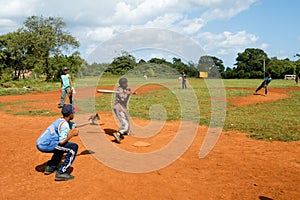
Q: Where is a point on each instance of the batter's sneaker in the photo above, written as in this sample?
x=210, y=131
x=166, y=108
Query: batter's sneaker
x=117, y=136
x=49, y=170
x=63, y=177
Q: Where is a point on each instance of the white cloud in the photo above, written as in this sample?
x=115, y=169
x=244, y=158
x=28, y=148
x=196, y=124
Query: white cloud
x=193, y=26
x=226, y=9
x=227, y=42
x=166, y=20
x=101, y=33
x=93, y=22
x=7, y=23
x=16, y=8
x=264, y=46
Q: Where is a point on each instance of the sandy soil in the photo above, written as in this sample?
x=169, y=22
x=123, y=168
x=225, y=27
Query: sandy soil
x=237, y=168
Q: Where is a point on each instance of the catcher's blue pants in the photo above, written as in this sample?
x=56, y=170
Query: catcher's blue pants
x=71, y=149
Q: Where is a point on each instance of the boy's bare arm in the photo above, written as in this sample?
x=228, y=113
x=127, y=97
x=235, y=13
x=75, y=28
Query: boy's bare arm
x=73, y=133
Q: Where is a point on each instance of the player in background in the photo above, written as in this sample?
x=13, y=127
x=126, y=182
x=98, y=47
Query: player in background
x=265, y=84
x=183, y=79
x=297, y=79
x=66, y=88
x=55, y=139
x=120, y=108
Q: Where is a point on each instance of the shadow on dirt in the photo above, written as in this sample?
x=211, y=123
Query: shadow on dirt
x=264, y=198
x=41, y=167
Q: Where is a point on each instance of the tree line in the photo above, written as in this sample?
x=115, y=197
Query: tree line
x=42, y=47
x=127, y=64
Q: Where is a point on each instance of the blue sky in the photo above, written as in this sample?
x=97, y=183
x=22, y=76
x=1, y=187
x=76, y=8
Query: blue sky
x=222, y=27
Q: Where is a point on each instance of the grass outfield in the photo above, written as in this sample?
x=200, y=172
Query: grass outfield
x=268, y=121
x=274, y=121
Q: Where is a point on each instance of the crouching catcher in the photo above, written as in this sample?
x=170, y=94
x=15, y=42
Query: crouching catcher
x=55, y=139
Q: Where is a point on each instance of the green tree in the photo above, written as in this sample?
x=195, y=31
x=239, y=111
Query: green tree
x=14, y=52
x=211, y=64
x=120, y=65
x=278, y=68
x=251, y=59
x=48, y=37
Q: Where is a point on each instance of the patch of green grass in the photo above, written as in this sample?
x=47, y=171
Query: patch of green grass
x=268, y=121
x=26, y=86
x=16, y=103
x=34, y=113
x=20, y=105
x=254, y=83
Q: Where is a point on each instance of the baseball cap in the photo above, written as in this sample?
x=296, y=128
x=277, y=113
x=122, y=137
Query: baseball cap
x=68, y=109
x=65, y=68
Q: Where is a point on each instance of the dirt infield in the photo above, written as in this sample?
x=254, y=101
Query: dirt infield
x=237, y=168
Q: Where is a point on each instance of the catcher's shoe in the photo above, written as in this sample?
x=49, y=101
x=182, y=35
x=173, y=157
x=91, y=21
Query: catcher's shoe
x=117, y=136
x=63, y=177
x=49, y=170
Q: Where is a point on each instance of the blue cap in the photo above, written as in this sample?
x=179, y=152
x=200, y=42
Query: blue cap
x=67, y=110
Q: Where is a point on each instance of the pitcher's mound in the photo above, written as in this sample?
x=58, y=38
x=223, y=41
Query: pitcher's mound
x=141, y=144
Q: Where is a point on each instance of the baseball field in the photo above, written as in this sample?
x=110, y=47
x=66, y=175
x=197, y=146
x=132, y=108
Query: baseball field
x=256, y=157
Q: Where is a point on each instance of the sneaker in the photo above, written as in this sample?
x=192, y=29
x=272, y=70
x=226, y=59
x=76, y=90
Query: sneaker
x=63, y=177
x=117, y=137
x=59, y=106
x=49, y=170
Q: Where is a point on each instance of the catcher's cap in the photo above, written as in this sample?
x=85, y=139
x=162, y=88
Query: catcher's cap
x=68, y=109
x=65, y=69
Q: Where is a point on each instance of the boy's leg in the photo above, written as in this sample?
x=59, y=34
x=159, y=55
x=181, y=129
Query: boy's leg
x=125, y=127
x=266, y=90
x=55, y=160
x=122, y=116
x=70, y=95
x=259, y=88
x=63, y=97
x=71, y=149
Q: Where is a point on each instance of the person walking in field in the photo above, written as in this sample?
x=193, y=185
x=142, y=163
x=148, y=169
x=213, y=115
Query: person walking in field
x=265, y=84
x=66, y=88
x=55, y=139
x=120, y=109
x=183, y=79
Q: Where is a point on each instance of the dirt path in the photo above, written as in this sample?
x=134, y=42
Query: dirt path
x=237, y=168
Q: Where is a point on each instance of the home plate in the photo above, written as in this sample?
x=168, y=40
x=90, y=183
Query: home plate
x=141, y=144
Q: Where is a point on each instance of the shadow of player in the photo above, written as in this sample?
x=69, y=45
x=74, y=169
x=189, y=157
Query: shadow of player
x=264, y=198
x=110, y=132
x=41, y=167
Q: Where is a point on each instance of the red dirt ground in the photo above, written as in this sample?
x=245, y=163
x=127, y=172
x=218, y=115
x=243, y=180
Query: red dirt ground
x=237, y=168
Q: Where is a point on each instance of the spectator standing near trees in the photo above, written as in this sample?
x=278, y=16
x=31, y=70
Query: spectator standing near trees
x=66, y=88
